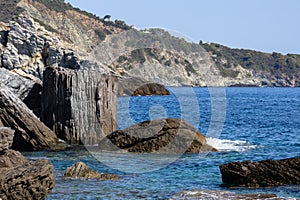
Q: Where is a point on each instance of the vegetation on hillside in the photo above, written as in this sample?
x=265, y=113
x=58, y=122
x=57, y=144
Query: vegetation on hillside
x=270, y=63
x=62, y=6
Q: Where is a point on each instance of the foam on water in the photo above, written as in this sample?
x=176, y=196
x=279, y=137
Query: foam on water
x=230, y=145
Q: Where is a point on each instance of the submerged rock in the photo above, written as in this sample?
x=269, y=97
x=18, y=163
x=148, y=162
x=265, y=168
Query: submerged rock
x=161, y=136
x=81, y=170
x=265, y=173
x=30, y=133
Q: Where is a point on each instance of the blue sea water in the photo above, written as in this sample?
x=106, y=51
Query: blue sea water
x=243, y=123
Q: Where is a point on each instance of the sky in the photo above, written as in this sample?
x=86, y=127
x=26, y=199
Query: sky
x=263, y=25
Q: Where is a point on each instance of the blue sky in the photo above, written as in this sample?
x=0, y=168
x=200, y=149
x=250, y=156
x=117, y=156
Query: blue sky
x=264, y=25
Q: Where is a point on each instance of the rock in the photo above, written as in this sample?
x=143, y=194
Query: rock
x=11, y=158
x=151, y=89
x=265, y=173
x=80, y=106
x=29, y=180
x=219, y=194
x=30, y=133
x=81, y=170
x=163, y=136
x=6, y=138
x=135, y=86
x=26, y=88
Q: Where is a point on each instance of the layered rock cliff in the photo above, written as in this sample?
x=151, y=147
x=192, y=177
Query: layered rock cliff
x=79, y=105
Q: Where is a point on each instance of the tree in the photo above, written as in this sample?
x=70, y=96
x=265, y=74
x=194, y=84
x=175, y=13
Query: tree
x=107, y=17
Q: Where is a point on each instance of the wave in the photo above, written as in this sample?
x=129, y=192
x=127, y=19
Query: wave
x=230, y=145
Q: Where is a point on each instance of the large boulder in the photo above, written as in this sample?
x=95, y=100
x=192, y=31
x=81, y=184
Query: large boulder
x=161, y=136
x=30, y=133
x=151, y=89
x=136, y=86
x=265, y=173
x=28, y=180
x=81, y=170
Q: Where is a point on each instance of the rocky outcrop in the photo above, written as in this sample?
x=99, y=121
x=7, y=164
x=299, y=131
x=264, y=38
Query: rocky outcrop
x=151, y=89
x=20, y=178
x=30, y=133
x=29, y=180
x=136, y=86
x=6, y=138
x=161, y=136
x=265, y=173
x=80, y=106
x=81, y=170
x=25, y=87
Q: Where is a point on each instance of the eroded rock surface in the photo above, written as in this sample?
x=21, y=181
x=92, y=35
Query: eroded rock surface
x=265, y=173
x=81, y=170
x=161, y=136
x=30, y=133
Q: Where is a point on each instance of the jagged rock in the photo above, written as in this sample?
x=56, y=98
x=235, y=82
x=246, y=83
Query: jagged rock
x=219, y=194
x=6, y=138
x=30, y=133
x=79, y=105
x=265, y=173
x=29, y=180
x=81, y=170
x=163, y=136
x=26, y=88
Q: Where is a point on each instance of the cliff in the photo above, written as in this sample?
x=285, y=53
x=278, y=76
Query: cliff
x=79, y=105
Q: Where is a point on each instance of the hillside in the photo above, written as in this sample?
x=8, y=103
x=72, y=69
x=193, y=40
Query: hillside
x=155, y=55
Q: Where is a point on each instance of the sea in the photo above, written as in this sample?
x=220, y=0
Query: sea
x=242, y=123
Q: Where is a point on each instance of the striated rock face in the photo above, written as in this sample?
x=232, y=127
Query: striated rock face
x=25, y=87
x=265, y=173
x=81, y=170
x=6, y=138
x=163, y=136
x=30, y=133
x=80, y=106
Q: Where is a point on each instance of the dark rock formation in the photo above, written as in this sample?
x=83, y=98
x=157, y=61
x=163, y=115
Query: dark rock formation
x=28, y=89
x=163, y=136
x=30, y=133
x=265, y=173
x=20, y=178
x=80, y=106
x=29, y=180
x=151, y=89
x=6, y=138
x=81, y=170
x=219, y=194
x=135, y=86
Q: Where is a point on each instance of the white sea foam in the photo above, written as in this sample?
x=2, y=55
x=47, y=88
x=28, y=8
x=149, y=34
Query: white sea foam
x=230, y=145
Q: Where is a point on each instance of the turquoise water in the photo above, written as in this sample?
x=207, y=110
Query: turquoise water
x=259, y=123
